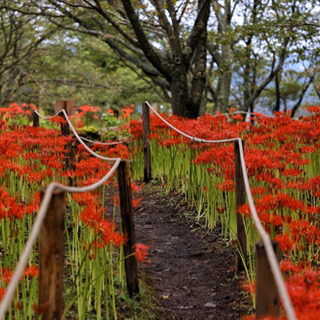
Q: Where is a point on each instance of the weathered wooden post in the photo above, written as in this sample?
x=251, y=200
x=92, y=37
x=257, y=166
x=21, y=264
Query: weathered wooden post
x=35, y=120
x=240, y=200
x=69, y=107
x=267, y=296
x=126, y=208
x=52, y=258
x=146, y=142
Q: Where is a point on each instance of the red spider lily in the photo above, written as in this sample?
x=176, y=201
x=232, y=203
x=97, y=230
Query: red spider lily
x=83, y=198
x=127, y=111
x=79, y=123
x=227, y=185
x=250, y=288
x=87, y=109
x=32, y=271
x=302, y=229
x=119, y=151
x=288, y=266
x=314, y=109
x=92, y=217
x=285, y=243
x=258, y=190
x=6, y=275
x=136, y=202
x=58, y=120
x=141, y=252
x=135, y=128
x=108, y=235
x=9, y=208
x=135, y=188
x=304, y=290
x=277, y=221
x=14, y=109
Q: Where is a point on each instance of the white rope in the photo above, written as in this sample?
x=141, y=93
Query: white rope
x=35, y=230
x=186, y=135
x=101, y=143
x=76, y=134
x=273, y=261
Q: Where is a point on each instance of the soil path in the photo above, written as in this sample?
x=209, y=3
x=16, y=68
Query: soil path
x=192, y=270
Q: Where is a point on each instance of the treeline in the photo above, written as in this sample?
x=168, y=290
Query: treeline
x=195, y=56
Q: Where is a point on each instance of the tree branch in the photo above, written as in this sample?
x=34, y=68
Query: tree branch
x=145, y=45
x=199, y=27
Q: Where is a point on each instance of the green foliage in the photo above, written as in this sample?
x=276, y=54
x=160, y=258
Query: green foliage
x=93, y=63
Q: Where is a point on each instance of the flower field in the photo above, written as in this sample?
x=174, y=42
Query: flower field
x=31, y=158
x=283, y=164
x=282, y=157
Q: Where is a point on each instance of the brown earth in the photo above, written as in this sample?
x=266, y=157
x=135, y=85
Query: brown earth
x=192, y=270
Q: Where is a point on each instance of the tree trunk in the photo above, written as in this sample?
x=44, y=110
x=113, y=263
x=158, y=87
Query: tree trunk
x=223, y=59
x=199, y=77
x=278, y=95
x=182, y=104
x=298, y=103
x=223, y=91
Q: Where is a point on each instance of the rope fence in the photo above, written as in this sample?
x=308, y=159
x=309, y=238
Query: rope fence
x=266, y=241
x=50, y=278
x=63, y=111
x=125, y=194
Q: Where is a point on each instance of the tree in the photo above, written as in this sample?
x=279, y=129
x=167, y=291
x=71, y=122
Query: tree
x=19, y=39
x=77, y=67
x=220, y=49
x=150, y=35
x=251, y=43
x=288, y=92
x=280, y=30
x=191, y=51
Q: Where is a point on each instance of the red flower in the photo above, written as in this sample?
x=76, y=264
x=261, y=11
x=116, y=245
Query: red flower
x=284, y=243
x=32, y=271
x=141, y=252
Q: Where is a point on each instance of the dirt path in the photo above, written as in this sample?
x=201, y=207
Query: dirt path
x=193, y=272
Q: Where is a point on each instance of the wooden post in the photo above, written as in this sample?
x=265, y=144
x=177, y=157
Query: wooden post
x=126, y=208
x=267, y=296
x=35, y=120
x=52, y=258
x=240, y=200
x=146, y=142
x=69, y=107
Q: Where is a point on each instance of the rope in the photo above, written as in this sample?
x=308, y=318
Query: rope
x=35, y=229
x=186, y=135
x=76, y=134
x=264, y=235
x=273, y=261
